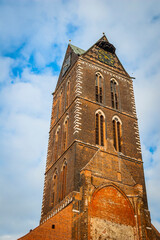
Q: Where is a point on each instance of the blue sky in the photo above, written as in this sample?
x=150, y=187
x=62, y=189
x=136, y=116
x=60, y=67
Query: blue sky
x=33, y=39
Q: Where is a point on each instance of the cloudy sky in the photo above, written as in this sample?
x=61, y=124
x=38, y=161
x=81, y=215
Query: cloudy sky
x=33, y=38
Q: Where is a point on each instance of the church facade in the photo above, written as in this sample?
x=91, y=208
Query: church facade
x=94, y=180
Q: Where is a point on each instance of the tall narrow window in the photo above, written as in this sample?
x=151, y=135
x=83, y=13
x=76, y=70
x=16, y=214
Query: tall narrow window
x=99, y=88
x=114, y=133
x=57, y=109
x=56, y=143
x=65, y=133
x=99, y=128
x=67, y=93
x=117, y=134
x=114, y=94
x=54, y=189
x=102, y=130
x=63, y=178
x=60, y=102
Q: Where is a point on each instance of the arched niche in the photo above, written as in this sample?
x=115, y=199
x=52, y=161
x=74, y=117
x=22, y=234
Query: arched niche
x=111, y=215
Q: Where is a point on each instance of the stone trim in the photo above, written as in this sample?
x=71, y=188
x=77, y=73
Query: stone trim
x=64, y=203
x=78, y=91
x=101, y=68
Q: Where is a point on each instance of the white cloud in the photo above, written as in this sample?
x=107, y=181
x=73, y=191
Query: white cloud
x=8, y=237
x=24, y=124
x=5, y=65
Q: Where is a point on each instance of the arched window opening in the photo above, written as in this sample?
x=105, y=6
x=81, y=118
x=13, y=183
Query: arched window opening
x=65, y=133
x=99, y=88
x=56, y=143
x=67, y=93
x=57, y=109
x=60, y=101
x=117, y=134
x=54, y=189
x=114, y=94
x=102, y=130
x=99, y=128
x=63, y=178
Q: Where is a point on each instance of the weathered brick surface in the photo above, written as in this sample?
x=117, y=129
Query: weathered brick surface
x=62, y=230
x=110, y=204
x=106, y=187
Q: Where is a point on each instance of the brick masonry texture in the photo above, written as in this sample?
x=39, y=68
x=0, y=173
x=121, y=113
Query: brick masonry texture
x=104, y=194
x=62, y=230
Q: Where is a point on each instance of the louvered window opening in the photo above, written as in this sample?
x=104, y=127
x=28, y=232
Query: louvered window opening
x=63, y=181
x=114, y=95
x=99, y=130
x=98, y=89
x=67, y=94
x=117, y=135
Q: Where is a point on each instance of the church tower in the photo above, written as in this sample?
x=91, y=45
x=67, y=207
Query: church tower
x=94, y=180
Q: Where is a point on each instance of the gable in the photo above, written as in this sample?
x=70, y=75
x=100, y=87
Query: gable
x=103, y=165
x=104, y=52
x=101, y=52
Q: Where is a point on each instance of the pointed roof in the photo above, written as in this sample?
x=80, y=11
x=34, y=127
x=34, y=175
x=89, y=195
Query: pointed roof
x=77, y=50
x=102, y=43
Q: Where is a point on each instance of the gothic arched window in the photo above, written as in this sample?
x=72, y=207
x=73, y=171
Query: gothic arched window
x=114, y=94
x=56, y=143
x=67, y=93
x=54, y=188
x=63, y=178
x=99, y=88
x=57, y=109
x=99, y=128
x=117, y=133
x=60, y=101
x=65, y=133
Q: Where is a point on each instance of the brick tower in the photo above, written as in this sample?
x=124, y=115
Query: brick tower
x=94, y=180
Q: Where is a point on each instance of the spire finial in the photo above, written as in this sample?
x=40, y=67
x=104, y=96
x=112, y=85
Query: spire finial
x=70, y=40
x=103, y=33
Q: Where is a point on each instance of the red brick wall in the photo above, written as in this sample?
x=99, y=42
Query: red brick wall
x=111, y=215
x=63, y=227
x=110, y=204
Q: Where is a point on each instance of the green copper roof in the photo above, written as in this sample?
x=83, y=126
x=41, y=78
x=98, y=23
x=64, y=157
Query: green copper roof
x=77, y=50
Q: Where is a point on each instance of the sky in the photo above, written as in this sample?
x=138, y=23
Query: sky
x=34, y=35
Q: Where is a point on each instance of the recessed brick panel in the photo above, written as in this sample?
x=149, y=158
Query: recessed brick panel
x=109, y=203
